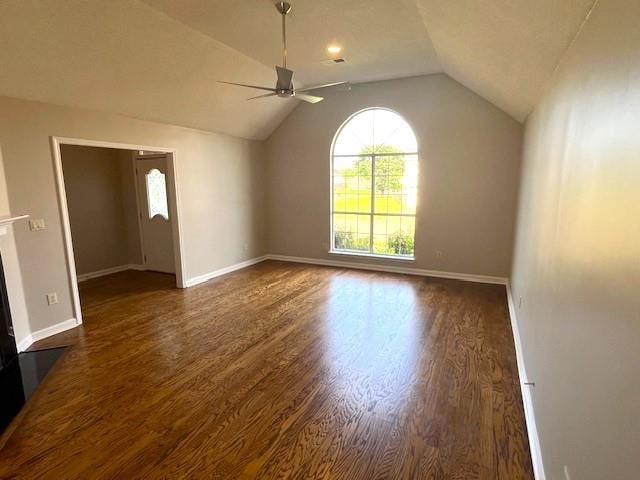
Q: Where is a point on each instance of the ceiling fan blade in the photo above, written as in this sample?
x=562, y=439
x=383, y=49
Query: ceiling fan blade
x=325, y=85
x=309, y=98
x=249, y=86
x=284, y=78
x=263, y=96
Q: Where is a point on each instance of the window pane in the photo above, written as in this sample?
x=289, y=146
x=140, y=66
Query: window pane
x=393, y=235
x=410, y=175
x=157, y=194
x=339, y=224
x=384, y=225
x=351, y=203
x=377, y=130
x=364, y=233
x=392, y=131
x=380, y=245
x=344, y=166
x=339, y=184
x=409, y=203
x=352, y=184
x=380, y=235
x=351, y=232
x=364, y=203
x=355, y=135
x=408, y=225
x=344, y=202
x=395, y=204
x=390, y=174
x=382, y=203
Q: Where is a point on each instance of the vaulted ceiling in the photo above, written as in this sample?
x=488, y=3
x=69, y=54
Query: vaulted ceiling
x=160, y=59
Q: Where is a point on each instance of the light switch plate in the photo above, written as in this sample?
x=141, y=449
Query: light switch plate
x=36, y=224
x=52, y=298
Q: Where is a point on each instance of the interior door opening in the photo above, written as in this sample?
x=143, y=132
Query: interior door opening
x=120, y=216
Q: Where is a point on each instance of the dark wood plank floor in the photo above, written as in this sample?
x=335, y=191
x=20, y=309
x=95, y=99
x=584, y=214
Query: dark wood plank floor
x=280, y=370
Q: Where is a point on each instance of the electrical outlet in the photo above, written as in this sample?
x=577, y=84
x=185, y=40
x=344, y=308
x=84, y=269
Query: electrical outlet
x=36, y=224
x=566, y=473
x=52, y=298
x=439, y=253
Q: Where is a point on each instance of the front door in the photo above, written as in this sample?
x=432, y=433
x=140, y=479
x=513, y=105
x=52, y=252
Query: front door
x=157, y=237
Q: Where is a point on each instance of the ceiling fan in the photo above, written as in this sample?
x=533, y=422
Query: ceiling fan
x=284, y=86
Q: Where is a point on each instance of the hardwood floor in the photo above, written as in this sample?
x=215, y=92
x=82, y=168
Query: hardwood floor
x=280, y=370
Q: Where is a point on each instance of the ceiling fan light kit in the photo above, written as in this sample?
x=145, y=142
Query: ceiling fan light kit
x=284, y=84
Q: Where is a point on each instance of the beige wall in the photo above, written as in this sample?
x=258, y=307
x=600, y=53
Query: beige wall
x=469, y=166
x=218, y=181
x=577, y=257
x=99, y=184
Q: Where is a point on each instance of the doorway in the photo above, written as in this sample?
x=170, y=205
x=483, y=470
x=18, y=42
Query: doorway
x=153, y=212
x=147, y=237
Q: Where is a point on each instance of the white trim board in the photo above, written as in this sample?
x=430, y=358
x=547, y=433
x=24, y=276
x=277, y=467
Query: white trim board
x=26, y=342
x=393, y=269
x=83, y=277
x=222, y=271
x=527, y=399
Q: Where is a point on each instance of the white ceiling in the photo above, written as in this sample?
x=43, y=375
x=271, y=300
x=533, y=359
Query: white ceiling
x=160, y=59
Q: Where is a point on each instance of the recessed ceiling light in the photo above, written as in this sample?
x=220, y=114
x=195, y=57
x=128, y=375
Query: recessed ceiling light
x=334, y=49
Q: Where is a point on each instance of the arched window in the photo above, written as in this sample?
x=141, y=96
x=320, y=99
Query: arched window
x=374, y=180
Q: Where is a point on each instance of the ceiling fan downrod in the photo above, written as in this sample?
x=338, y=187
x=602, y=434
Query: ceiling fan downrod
x=284, y=8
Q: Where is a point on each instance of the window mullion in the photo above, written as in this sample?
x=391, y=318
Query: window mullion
x=372, y=210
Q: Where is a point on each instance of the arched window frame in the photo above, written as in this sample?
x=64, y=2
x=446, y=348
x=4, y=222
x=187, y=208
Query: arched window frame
x=372, y=213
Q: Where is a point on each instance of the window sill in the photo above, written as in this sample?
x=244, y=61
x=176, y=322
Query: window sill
x=372, y=255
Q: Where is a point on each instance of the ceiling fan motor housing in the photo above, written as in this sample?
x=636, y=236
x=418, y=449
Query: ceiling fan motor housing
x=283, y=7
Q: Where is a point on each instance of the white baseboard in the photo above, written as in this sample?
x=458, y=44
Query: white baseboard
x=361, y=266
x=108, y=271
x=527, y=400
x=393, y=269
x=26, y=342
x=231, y=268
